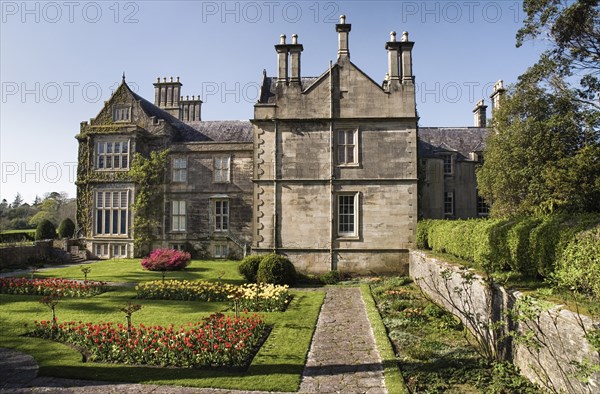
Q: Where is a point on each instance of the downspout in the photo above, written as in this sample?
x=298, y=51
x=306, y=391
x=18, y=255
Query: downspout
x=275, y=189
x=332, y=263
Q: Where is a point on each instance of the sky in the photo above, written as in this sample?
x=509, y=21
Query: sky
x=61, y=60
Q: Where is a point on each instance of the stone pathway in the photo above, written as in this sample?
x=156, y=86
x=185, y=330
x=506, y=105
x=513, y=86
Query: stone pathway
x=342, y=359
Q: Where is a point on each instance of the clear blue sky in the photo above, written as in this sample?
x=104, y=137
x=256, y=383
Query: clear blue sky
x=61, y=60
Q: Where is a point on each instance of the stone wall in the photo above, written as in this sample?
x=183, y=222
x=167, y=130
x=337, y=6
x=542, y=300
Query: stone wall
x=16, y=256
x=558, y=333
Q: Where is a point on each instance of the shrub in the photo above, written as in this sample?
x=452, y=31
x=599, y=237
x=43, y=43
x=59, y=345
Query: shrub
x=330, y=278
x=166, y=260
x=276, y=269
x=45, y=230
x=519, y=246
x=249, y=267
x=579, y=266
x=66, y=228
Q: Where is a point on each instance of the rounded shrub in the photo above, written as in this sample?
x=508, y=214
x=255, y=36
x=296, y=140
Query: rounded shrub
x=45, y=230
x=330, y=278
x=166, y=260
x=66, y=228
x=248, y=267
x=579, y=266
x=276, y=269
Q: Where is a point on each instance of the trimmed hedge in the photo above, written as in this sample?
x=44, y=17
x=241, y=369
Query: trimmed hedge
x=248, y=267
x=528, y=245
x=17, y=236
x=276, y=269
x=579, y=266
x=45, y=230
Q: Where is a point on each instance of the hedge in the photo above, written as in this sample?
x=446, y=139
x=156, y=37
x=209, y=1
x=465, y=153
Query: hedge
x=528, y=245
x=17, y=236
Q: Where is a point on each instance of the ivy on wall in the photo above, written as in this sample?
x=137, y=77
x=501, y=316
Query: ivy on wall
x=148, y=174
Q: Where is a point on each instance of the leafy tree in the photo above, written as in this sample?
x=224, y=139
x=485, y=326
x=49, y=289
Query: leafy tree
x=48, y=210
x=66, y=229
x=573, y=30
x=45, y=230
x=539, y=134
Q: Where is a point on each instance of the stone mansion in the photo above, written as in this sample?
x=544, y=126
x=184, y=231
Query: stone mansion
x=332, y=170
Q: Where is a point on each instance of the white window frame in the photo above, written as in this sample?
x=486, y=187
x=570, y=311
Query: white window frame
x=107, y=203
x=180, y=169
x=220, y=219
x=121, y=113
x=449, y=203
x=222, y=169
x=178, y=215
x=343, y=226
x=346, y=148
x=107, y=152
x=483, y=209
x=180, y=247
x=448, y=164
x=221, y=251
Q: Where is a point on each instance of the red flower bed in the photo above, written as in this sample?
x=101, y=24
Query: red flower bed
x=214, y=342
x=61, y=287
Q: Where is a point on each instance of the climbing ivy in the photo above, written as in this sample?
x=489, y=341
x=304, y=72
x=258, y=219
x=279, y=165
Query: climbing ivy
x=148, y=174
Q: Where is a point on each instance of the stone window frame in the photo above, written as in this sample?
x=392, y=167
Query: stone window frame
x=121, y=113
x=221, y=173
x=220, y=250
x=179, y=166
x=483, y=208
x=105, y=151
x=106, y=205
x=220, y=220
x=448, y=164
x=178, y=216
x=449, y=203
x=348, y=235
x=342, y=148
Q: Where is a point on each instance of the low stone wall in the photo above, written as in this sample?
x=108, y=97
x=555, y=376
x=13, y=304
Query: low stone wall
x=16, y=256
x=555, y=337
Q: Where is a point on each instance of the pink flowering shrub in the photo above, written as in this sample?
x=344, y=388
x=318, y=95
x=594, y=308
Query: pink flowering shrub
x=166, y=260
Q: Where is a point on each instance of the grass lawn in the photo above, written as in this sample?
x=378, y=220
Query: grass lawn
x=277, y=366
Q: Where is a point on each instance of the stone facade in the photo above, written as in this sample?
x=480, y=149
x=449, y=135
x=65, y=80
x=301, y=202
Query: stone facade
x=335, y=163
x=327, y=171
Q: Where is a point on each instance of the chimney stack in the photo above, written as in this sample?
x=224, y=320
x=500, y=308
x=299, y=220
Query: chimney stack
x=295, y=51
x=497, y=95
x=282, y=61
x=190, y=109
x=393, y=48
x=479, y=114
x=406, y=60
x=343, y=30
x=166, y=95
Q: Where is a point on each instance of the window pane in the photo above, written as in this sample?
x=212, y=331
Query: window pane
x=117, y=147
x=124, y=162
x=225, y=207
x=182, y=223
x=109, y=147
x=350, y=154
x=115, y=199
x=99, y=222
x=123, y=222
x=123, y=199
x=107, y=199
x=101, y=162
x=106, y=228
x=125, y=147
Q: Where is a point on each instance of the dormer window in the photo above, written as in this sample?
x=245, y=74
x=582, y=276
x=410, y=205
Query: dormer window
x=121, y=113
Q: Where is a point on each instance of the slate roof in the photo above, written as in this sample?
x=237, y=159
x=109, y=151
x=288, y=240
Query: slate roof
x=462, y=140
x=267, y=90
x=215, y=130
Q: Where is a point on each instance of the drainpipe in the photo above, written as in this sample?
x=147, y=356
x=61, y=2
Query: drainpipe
x=275, y=189
x=332, y=263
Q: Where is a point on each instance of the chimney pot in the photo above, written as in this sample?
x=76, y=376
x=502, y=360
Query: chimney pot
x=404, y=36
x=294, y=39
x=342, y=19
x=282, y=39
x=164, y=79
x=393, y=36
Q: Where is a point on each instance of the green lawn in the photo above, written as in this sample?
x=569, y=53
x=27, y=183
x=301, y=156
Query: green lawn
x=277, y=366
x=130, y=270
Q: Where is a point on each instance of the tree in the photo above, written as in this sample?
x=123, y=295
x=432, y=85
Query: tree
x=17, y=201
x=45, y=230
x=66, y=229
x=538, y=135
x=573, y=30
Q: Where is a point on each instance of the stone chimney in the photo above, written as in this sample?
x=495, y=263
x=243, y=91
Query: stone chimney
x=190, y=109
x=406, y=58
x=282, y=61
x=167, y=94
x=497, y=95
x=479, y=114
x=393, y=47
x=295, y=50
x=343, y=30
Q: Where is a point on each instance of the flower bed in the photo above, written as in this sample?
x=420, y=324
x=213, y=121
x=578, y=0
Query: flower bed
x=61, y=287
x=263, y=298
x=217, y=341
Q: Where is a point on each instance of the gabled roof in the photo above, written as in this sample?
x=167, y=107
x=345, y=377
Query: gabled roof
x=461, y=140
x=267, y=90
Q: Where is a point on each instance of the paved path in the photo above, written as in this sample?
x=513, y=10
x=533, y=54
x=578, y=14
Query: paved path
x=342, y=359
